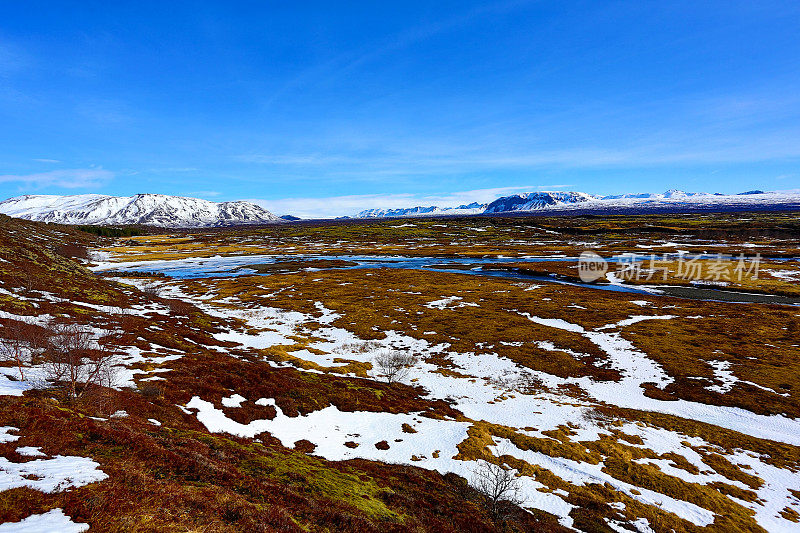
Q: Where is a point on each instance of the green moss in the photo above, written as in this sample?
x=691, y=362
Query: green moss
x=14, y=305
x=314, y=476
x=306, y=473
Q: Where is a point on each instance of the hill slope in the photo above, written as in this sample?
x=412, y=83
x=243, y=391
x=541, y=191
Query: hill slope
x=149, y=209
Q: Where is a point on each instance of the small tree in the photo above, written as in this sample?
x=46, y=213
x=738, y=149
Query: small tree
x=74, y=358
x=394, y=365
x=25, y=275
x=20, y=341
x=13, y=345
x=499, y=487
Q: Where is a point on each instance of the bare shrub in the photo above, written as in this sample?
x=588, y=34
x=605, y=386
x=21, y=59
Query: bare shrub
x=597, y=417
x=25, y=274
x=152, y=290
x=126, y=320
x=75, y=359
x=524, y=382
x=19, y=342
x=394, y=365
x=150, y=390
x=360, y=346
x=13, y=346
x=100, y=393
x=499, y=487
x=73, y=251
x=180, y=307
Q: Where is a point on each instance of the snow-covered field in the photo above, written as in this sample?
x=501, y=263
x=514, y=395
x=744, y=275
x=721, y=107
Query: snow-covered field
x=46, y=474
x=549, y=428
x=487, y=390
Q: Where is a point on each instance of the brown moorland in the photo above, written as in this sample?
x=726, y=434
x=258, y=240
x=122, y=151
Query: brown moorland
x=176, y=342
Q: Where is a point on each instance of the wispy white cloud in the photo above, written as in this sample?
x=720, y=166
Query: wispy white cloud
x=77, y=178
x=407, y=157
x=335, y=206
x=43, y=160
x=738, y=127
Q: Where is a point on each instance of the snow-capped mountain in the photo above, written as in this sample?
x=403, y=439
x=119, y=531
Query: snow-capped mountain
x=468, y=209
x=532, y=201
x=671, y=200
x=150, y=209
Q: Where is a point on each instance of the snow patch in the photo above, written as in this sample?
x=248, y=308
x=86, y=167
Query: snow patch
x=53, y=521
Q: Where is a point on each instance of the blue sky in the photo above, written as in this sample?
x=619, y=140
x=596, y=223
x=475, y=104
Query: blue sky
x=322, y=108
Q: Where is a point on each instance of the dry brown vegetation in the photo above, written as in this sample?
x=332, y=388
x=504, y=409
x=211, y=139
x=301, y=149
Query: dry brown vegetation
x=179, y=477
x=772, y=234
x=377, y=301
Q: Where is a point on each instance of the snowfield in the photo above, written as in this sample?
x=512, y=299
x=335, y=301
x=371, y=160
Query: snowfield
x=53, y=521
x=481, y=396
x=488, y=388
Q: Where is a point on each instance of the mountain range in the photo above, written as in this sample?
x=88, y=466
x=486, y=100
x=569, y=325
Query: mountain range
x=149, y=209
x=558, y=202
x=468, y=209
x=180, y=212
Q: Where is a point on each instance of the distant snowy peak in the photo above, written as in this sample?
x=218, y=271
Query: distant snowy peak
x=468, y=209
x=148, y=209
x=672, y=194
x=518, y=202
x=533, y=201
x=672, y=199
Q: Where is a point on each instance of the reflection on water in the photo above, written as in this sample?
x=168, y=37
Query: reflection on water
x=233, y=266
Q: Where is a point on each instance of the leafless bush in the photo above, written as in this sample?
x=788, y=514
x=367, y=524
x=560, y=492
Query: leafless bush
x=596, y=417
x=150, y=390
x=19, y=342
x=152, y=290
x=12, y=345
x=394, y=365
x=24, y=275
x=73, y=251
x=524, y=382
x=499, y=487
x=75, y=359
x=100, y=394
x=126, y=320
x=360, y=346
x=180, y=307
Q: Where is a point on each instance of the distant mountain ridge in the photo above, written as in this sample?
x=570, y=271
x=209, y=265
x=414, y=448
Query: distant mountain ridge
x=467, y=209
x=147, y=209
x=558, y=201
x=532, y=201
x=182, y=212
